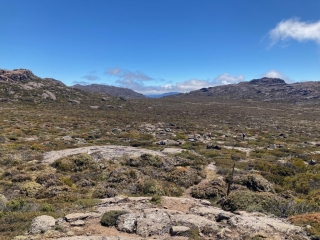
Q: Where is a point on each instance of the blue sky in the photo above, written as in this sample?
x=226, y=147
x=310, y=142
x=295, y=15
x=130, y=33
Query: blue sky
x=156, y=46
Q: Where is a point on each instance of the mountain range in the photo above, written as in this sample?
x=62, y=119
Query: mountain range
x=22, y=84
x=264, y=89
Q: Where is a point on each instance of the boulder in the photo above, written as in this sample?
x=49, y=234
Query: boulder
x=212, y=213
x=41, y=224
x=192, y=220
x=128, y=222
x=154, y=223
x=255, y=222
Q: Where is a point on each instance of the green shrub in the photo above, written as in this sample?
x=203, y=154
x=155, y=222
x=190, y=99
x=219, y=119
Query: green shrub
x=302, y=182
x=151, y=187
x=67, y=181
x=246, y=200
x=87, y=202
x=15, y=223
x=16, y=205
x=156, y=199
x=110, y=218
x=77, y=163
x=47, y=207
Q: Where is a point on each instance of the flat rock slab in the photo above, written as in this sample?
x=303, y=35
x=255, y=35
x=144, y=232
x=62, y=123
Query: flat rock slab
x=78, y=223
x=172, y=150
x=99, y=238
x=72, y=217
x=179, y=231
x=108, y=151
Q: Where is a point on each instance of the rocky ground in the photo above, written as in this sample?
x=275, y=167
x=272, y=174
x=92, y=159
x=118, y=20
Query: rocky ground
x=163, y=218
x=172, y=218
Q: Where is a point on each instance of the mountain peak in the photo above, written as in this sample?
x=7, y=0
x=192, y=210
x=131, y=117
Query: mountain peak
x=16, y=75
x=267, y=80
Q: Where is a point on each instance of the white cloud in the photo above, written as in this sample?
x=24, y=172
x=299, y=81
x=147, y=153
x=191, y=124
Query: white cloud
x=124, y=74
x=273, y=74
x=191, y=85
x=91, y=77
x=277, y=74
x=113, y=71
x=295, y=29
x=185, y=86
x=228, y=79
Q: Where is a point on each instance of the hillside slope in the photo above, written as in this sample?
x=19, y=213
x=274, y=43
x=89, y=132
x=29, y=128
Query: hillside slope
x=21, y=85
x=110, y=90
x=264, y=89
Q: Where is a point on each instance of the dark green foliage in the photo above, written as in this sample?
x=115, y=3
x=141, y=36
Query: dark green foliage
x=246, y=200
x=213, y=190
x=77, y=163
x=110, y=218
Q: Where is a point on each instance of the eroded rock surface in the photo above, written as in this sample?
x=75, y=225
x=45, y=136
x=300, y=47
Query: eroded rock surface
x=174, y=218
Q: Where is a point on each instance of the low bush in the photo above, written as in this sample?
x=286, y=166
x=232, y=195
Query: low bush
x=47, y=207
x=76, y=163
x=110, y=218
x=22, y=177
x=247, y=200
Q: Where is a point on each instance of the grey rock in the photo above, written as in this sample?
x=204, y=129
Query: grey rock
x=78, y=223
x=128, y=222
x=80, y=216
x=155, y=223
x=41, y=224
x=179, y=231
x=254, y=222
x=191, y=220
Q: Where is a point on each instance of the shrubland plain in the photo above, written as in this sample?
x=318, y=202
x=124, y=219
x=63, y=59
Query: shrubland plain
x=64, y=155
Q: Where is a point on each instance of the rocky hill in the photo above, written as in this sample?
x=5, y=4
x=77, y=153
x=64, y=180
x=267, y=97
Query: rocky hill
x=21, y=85
x=110, y=90
x=264, y=89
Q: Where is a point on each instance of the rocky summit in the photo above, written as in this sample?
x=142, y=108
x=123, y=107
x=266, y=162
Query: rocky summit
x=264, y=89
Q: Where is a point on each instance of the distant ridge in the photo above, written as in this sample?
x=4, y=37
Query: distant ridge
x=110, y=90
x=264, y=89
x=162, y=95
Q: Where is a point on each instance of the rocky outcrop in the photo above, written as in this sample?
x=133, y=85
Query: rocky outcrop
x=173, y=218
x=16, y=75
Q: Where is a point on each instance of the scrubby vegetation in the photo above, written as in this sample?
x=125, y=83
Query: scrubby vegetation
x=277, y=165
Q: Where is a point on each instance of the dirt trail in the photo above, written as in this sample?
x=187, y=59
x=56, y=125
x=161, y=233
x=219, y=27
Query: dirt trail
x=108, y=151
x=211, y=174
